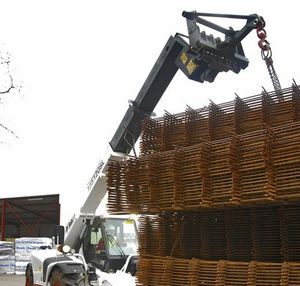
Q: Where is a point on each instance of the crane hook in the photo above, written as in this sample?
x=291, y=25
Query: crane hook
x=266, y=54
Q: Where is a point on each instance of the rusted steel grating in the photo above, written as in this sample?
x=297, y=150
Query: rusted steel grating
x=219, y=121
x=286, y=160
x=239, y=234
x=116, y=187
x=290, y=236
x=254, y=168
x=168, y=271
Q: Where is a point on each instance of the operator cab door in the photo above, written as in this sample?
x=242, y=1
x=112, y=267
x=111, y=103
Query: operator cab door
x=94, y=249
x=109, y=241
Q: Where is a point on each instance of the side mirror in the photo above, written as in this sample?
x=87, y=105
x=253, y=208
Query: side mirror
x=59, y=234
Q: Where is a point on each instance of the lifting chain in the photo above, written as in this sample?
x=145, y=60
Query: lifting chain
x=266, y=54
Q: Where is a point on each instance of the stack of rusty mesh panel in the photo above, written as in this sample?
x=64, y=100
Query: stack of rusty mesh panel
x=290, y=274
x=174, y=271
x=235, y=234
x=195, y=126
x=223, y=171
x=256, y=172
x=239, y=238
x=286, y=161
x=117, y=194
x=261, y=167
x=218, y=189
x=220, y=121
x=266, y=230
x=290, y=237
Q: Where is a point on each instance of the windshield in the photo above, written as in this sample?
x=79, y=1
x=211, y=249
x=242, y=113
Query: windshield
x=121, y=236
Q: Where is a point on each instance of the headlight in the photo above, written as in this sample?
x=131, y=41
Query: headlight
x=66, y=249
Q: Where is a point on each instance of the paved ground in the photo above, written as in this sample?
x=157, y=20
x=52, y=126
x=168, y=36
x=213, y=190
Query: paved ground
x=12, y=280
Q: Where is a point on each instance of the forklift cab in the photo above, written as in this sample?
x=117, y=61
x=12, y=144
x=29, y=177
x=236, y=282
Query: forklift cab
x=109, y=242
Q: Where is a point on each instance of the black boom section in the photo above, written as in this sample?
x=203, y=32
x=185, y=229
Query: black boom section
x=151, y=92
x=202, y=59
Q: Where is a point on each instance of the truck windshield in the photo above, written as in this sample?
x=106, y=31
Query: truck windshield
x=121, y=236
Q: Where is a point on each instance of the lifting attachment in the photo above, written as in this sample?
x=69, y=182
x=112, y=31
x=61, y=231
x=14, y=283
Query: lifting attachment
x=266, y=54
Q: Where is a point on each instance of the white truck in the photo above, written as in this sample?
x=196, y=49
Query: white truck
x=97, y=249
x=102, y=250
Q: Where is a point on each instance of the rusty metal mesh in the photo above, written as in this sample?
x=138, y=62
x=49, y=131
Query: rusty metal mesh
x=259, y=167
x=168, y=271
x=218, y=121
x=238, y=234
x=219, y=193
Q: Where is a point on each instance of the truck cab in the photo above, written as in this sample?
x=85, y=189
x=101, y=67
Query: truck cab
x=109, y=242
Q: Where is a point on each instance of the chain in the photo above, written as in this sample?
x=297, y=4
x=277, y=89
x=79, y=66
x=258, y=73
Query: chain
x=266, y=54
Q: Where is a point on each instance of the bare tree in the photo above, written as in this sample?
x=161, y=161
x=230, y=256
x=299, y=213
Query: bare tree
x=8, y=87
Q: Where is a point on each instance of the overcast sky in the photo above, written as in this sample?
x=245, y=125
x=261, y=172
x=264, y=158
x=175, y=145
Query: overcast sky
x=79, y=62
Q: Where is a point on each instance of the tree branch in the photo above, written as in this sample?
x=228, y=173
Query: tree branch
x=7, y=84
x=8, y=130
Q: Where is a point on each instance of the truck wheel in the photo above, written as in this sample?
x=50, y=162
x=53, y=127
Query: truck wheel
x=60, y=279
x=29, y=276
x=56, y=278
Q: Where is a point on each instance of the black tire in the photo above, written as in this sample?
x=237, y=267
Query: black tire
x=29, y=276
x=58, y=278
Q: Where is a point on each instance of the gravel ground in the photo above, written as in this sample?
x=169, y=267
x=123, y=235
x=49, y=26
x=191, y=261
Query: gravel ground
x=12, y=280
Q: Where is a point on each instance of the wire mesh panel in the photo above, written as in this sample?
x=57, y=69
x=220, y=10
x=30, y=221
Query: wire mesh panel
x=219, y=121
x=196, y=123
x=261, y=167
x=239, y=245
x=117, y=199
x=236, y=234
x=266, y=239
x=168, y=271
x=218, y=189
x=234, y=273
x=263, y=273
x=290, y=236
x=224, y=172
x=151, y=137
x=257, y=175
x=194, y=174
x=286, y=160
x=290, y=274
x=204, y=272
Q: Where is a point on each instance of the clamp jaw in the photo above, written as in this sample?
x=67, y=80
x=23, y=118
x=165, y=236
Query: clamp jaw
x=206, y=55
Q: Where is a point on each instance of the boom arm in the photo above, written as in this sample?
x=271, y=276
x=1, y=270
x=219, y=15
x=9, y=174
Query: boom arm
x=152, y=90
x=201, y=60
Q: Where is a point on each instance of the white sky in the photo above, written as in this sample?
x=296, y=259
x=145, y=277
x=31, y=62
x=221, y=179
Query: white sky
x=79, y=63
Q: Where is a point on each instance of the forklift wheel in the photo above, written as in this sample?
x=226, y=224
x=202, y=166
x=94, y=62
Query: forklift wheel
x=29, y=276
x=56, y=278
x=60, y=279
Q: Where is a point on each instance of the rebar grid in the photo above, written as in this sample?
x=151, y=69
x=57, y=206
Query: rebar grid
x=168, y=271
x=259, y=167
x=218, y=121
x=219, y=193
x=268, y=234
